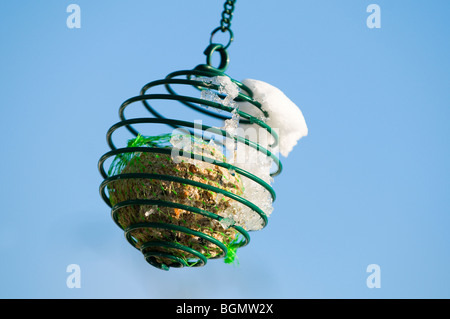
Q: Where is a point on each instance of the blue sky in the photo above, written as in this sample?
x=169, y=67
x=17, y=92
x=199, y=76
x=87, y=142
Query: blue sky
x=370, y=184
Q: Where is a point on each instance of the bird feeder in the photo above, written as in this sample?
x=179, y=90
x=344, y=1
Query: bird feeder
x=181, y=196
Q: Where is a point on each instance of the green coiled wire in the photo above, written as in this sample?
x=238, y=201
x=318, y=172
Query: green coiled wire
x=187, y=79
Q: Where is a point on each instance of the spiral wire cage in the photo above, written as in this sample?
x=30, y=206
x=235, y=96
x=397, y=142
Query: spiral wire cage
x=160, y=253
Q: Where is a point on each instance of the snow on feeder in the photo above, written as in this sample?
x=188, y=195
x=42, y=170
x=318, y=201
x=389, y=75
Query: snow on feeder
x=194, y=191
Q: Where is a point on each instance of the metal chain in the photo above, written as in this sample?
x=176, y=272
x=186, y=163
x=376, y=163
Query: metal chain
x=225, y=22
x=227, y=15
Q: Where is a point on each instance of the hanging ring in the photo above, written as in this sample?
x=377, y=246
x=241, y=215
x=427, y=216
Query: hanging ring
x=223, y=30
x=224, y=59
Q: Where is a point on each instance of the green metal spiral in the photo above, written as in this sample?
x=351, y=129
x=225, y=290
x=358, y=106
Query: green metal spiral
x=163, y=248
